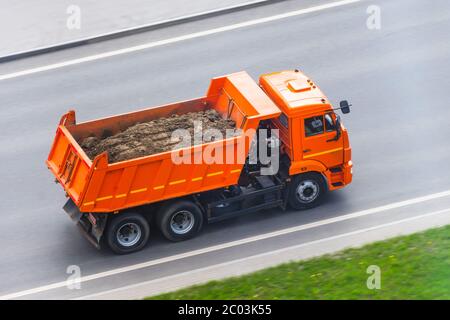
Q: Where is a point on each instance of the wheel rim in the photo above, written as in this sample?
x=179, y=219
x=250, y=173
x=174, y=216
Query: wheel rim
x=129, y=234
x=307, y=191
x=182, y=222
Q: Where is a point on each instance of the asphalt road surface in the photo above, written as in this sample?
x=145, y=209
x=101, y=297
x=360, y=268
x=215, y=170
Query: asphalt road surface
x=27, y=25
x=397, y=79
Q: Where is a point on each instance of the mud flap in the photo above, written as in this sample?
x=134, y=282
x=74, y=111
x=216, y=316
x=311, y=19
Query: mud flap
x=90, y=225
x=72, y=210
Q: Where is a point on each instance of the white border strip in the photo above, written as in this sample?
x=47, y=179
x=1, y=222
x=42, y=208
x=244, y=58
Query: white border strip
x=150, y=263
x=176, y=39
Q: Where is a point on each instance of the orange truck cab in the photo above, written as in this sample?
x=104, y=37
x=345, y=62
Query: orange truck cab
x=312, y=135
x=302, y=151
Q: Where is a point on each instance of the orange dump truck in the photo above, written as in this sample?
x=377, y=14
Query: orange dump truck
x=301, y=151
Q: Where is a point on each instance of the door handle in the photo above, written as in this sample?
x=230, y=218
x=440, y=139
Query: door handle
x=306, y=150
x=336, y=138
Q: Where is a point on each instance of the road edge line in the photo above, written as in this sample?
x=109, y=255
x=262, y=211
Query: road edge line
x=135, y=30
x=176, y=39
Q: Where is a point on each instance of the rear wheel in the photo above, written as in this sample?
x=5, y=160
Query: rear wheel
x=127, y=232
x=307, y=191
x=179, y=220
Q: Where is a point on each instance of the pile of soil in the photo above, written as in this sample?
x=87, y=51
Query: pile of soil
x=155, y=136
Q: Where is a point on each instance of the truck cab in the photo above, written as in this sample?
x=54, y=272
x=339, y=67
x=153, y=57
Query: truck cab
x=312, y=136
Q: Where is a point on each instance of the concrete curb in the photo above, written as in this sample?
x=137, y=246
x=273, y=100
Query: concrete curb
x=136, y=30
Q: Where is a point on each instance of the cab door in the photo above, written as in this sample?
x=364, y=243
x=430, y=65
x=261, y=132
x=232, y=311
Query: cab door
x=319, y=140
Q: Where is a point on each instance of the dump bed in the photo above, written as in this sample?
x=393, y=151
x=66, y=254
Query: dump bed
x=98, y=186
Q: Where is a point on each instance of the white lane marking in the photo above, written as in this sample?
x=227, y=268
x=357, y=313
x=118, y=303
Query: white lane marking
x=265, y=254
x=150, y=263
x=176, y=39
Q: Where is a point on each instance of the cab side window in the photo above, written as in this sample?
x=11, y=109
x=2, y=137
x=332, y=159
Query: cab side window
x=329, y=123
x=314, y=126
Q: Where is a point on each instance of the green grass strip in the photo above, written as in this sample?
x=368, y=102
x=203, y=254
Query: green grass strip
x=412, y=267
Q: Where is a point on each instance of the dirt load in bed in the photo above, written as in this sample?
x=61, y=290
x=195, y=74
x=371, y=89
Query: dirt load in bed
x=155, y=136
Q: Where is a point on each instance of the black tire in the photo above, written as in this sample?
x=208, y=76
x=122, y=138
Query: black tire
x=179, y=220
x=127, y=223
x=306, y=191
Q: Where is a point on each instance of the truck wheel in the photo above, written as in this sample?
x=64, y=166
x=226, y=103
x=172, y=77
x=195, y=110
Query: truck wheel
x=306, y=191
x=179, y=220
x=127, y=232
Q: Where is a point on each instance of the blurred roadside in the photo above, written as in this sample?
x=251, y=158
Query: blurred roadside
x=27, y=25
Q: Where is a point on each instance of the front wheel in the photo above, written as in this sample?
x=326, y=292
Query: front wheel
x=306, y=191
x=179, y=220
x=127, y=232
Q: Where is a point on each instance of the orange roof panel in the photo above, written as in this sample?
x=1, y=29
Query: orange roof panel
x=292, y=90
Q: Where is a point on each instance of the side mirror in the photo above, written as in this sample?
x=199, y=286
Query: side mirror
x=344, y=106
